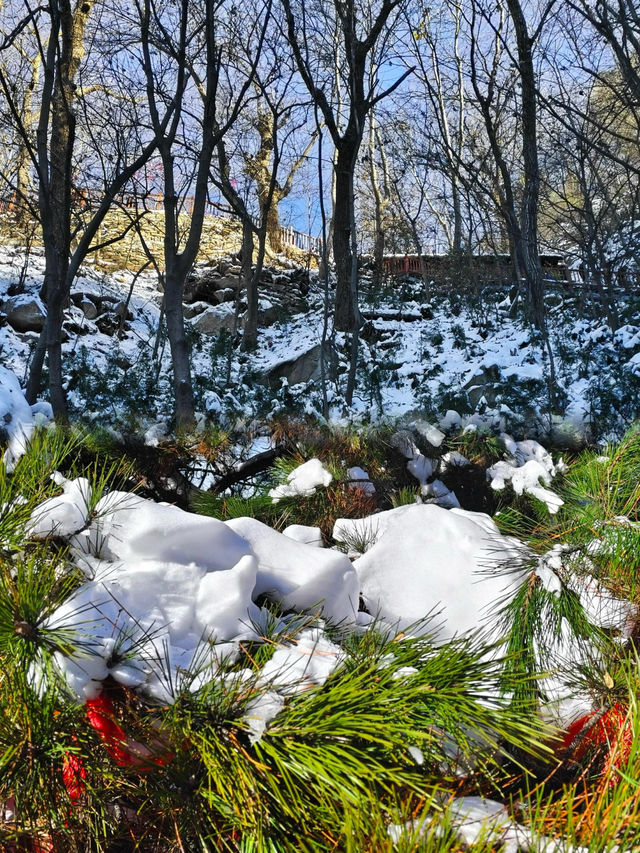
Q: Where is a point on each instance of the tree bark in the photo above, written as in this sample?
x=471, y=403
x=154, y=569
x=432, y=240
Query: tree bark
x=250, y=332
x=531, y=191
x=345, y=309
x=180, y=359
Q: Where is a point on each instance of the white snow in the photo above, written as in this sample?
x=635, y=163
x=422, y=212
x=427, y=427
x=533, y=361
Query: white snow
x=303, y=481
x=304, y=533
x=294, y=667
x=529, y=463
x=478, y=820
x=428, y=562
x=63, y=515
x=299, y=576
x=359, y=479
x=421, y=468
x=16, y=418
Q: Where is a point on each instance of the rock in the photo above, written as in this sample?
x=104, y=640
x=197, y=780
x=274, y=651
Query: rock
x=231, y=282
x=482, y=385
x=303, y=368
x=268, y=315
x=88, y=308
x=121, y=310
x=226, y=295
x=108, y=323
x=73, y=328
x=195, y=308
x=25, y=313
x=213, y=320
x=203, y=286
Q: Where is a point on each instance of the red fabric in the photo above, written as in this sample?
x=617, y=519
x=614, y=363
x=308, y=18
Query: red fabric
x=73, y=776
x=101, y=717
x=597, y=729
x=125, y=751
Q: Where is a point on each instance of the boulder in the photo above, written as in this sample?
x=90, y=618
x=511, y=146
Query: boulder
x=303, y=368
x=213, y=320
x=87, y=304
x=88, y=308
x=108, y=323
x=25, y=313
x=203, y=286
x=192, y=310
x=483, y=385
x=122, y=310
x=226, y=295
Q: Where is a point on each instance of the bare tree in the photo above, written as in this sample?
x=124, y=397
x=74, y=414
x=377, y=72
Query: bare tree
x=188, y=49
x=363, y=35
x=59, y=32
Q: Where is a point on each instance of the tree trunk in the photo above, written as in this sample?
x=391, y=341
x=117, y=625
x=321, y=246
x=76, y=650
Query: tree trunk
x=250, y=333
x=182, y=385
x=529, y=209
x=273, y=225
x=345, y=309
x=379, y=209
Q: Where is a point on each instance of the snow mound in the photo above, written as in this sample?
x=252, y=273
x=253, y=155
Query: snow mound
x=427, y=560
x=305, y=534
x=303, y=481
x=167, y=592
x=63, y=515
x=16, y=418
x=299, y=576
x=529, y=464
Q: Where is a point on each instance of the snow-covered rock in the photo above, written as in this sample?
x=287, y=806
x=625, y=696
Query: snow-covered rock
x=129, y=527
x=359, y=479
x=25, y=313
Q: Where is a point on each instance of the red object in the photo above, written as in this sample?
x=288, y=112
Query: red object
x=73, y=776
x=125, y=751
x=610, y=728
x=101, y=717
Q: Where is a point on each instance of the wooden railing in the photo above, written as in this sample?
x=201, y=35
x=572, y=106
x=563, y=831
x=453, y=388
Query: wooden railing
x=478, y=268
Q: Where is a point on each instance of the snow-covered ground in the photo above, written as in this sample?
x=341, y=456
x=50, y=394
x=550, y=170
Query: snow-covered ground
x=456, y=354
